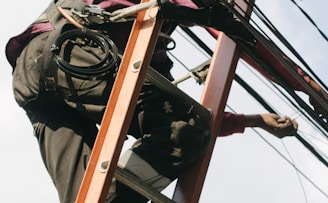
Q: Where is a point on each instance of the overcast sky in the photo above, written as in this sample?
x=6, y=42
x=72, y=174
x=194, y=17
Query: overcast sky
x=244, y=168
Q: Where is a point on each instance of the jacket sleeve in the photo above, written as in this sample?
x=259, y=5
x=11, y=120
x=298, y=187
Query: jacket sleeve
x=232, y=123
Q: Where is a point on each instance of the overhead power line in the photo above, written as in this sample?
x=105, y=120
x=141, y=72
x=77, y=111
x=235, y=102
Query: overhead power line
x=311, y=20
x=254, y=94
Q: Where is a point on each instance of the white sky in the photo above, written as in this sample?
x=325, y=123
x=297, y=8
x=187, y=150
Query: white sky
x=243, y=169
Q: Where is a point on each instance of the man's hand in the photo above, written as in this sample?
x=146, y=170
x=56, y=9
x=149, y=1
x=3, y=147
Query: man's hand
x=273, y=123
x=279, y=126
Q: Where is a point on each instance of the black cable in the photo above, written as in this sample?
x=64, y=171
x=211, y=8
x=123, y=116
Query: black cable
x=196, y=39
x=252, y=92
x=298, y=108
x=85, y=37
x=311, y=20
x=275, y=31
x=260, y=99
x=277, y=53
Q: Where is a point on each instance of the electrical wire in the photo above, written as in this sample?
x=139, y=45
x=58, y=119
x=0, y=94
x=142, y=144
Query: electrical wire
x=290, y=102
x=325, y=142
x=277, y=53
x=297, y=174
x=287, y=160
x=258, y=97
x=92, y=39
x=290, y=162
x=311, y=20
x=262, y=17
x=63, y=66
x=287, y=87
x=305, y=144
x=308, y=146
x=210, y=53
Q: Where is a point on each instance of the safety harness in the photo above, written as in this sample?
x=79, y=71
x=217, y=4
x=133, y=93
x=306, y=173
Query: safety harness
x=77, y=22
x=65, y=15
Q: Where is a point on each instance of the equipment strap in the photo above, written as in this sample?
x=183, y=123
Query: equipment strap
x=52, y=15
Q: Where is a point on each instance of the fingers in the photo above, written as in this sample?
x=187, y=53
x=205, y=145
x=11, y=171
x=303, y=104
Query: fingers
x=286, y=127
x=295, y=124
x=278, y=126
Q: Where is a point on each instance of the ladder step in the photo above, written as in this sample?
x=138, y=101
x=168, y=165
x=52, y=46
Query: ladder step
x=131, y=180
x=198, y=73
x=161, y=82
x=142, y=188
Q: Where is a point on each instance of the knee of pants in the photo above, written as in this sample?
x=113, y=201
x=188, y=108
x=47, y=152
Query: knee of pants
x=171, y=149
x=134, y=164
x=190, y=140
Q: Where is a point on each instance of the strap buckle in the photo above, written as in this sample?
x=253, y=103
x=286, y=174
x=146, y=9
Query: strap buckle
x=92, y=14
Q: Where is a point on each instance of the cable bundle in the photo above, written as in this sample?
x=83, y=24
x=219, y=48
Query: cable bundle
x=62, y=51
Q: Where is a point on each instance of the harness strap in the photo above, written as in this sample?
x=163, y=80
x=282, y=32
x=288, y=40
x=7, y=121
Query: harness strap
x=50, y=62
x=52, y=15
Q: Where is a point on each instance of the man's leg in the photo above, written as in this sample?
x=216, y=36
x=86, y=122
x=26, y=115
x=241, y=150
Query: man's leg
x=65, y=138
x=174, y=136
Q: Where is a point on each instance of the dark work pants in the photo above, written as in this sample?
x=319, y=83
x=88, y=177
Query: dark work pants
x=170, y=134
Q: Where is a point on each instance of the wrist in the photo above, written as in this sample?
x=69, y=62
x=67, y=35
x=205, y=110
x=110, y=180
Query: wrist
x=253, y=120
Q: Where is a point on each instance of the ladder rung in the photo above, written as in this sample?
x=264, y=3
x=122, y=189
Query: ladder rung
x=161, y=82
x=201, y=70
x=142, y=188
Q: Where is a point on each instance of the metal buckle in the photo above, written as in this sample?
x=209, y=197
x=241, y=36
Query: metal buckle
x=92, y=11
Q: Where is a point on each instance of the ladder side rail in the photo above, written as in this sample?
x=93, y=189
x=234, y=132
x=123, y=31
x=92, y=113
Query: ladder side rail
x=216, y=90
x=120, y=108
x=215, y=94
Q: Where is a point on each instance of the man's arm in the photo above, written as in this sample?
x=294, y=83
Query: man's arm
x=272, y=123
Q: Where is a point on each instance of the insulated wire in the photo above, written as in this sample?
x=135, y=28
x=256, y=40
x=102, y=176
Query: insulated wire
x=269, y=108
x=290, y=103
x=193, y=42
x=297, y=174
x=270, y=87
x=275, y=31
x=286, y=159
x=210, y=53
x=293, y=166
x=283, y=84
x=314, y=137
x=311, y=142
x=276, y=52
x=315, y=153
x=252, y=92
x=311, y=20
x=304, y=113
x=179, y=61
x=257, y=11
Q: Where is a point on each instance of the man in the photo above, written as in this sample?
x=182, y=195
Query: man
x=65, y=105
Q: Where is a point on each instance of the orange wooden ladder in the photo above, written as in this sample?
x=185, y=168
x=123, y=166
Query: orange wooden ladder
x=117, y=117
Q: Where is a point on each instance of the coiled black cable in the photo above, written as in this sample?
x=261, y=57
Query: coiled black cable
x=91, y=38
